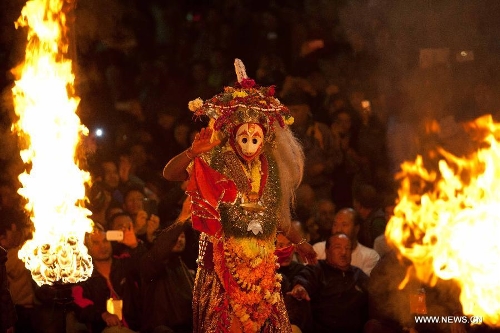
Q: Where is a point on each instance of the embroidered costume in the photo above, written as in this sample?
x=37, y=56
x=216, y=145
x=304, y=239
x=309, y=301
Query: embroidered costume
x=241, y=193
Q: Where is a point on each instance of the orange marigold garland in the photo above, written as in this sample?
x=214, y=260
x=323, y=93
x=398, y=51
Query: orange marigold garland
x=247, y=268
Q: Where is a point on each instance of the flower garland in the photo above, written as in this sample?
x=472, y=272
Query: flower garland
x=254, y=176
x=247, y=267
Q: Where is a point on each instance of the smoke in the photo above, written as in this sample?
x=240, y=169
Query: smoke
x=391, y=299
x=434, y=61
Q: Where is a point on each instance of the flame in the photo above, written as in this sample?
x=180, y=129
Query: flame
x=50, y=130
x=447, y=222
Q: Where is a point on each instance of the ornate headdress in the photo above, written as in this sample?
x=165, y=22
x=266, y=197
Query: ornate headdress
x=246, y=102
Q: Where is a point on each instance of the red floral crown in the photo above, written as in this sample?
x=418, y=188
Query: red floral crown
x=246, y=102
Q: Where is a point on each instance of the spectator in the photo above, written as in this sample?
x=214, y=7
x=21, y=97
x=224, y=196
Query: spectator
x=344, y=173
x=167, y=284
x=289, y=268
x=114, y=177
x=370, y=145
x=99, y=201
x=305, y=199
x=121, y=221
x=142, y=163
x=163, y=131
x=114, y=280
x=380, y=243
x=13, y=233
x=336, y=290
x=143, y=212
x=39, y=309
x=347, y=221
x=8, y=315
x=366, y=204
x=317, y=141
x=8, y=196
x=320, y=224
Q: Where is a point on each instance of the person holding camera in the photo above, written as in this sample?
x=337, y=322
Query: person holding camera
x=110, y=300
x=144, y=212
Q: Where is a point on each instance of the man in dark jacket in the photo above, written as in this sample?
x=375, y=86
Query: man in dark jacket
x=337, y=291
x=167, y=283
x=112, y=278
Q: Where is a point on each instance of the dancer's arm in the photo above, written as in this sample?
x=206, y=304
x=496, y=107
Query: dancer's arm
x=305, y=250
x=175, y=170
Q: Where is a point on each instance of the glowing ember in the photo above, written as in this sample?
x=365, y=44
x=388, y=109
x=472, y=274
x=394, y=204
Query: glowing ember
x=50, y=130
x=448, y=224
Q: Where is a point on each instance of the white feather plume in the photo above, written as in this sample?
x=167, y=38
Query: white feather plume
x=240, y=70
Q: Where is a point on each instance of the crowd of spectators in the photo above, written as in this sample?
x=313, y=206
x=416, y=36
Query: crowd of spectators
x=361, y=94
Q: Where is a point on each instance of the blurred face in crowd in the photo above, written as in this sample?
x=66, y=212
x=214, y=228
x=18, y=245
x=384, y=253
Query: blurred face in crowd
x=344, y=223
x=344, y=122
x=99, y=247
x=181, y=243
x=121, y=222
x=7, y=196
x=181, y=134
x=133, y=202
x=138, y=155
x=282, y=242
x=166, y=121
x=112, y=211
x=325, y=214
x=9, y=239
x=312, y=229
x=338, y=252
x=110, y=174
x=300, y=113
x=389, y=211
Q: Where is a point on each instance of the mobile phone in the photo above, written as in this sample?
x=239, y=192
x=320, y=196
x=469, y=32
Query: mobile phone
x=114, y=235
x=150, y=206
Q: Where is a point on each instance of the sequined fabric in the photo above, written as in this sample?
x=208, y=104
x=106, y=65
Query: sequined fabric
x=209, y=298
x=234, y=218
x=213, y=302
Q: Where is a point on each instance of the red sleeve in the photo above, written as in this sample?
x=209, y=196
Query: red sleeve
x=208, y=188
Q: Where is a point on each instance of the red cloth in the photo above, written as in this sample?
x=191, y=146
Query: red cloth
x=208, y=188
x=77, y=293
x=283, y=253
